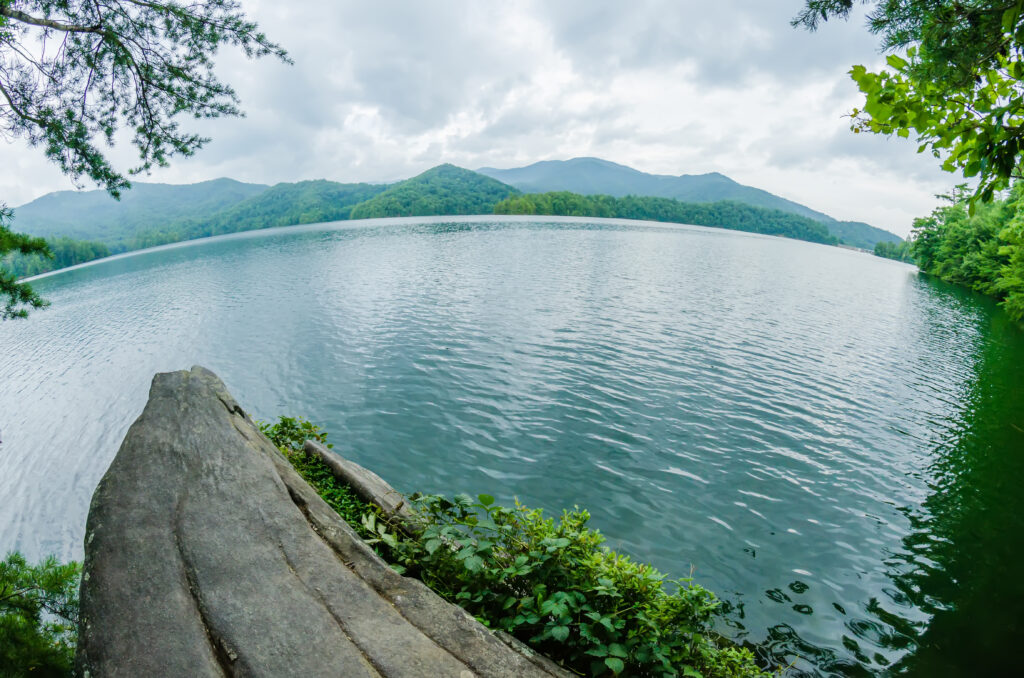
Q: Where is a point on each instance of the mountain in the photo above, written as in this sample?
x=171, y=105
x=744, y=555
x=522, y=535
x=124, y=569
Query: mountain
x=861, y=235
x=729, y=214
x=443, y=190
x=304, y=202
x=593, y=176
x=85, y=225
x=94, y=215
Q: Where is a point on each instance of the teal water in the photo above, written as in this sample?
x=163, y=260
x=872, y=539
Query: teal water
x=828, y=440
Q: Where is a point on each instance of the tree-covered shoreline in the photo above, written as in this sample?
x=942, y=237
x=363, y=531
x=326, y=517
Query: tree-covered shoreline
x=982, y=249
x=723, y=214
x=442, y=191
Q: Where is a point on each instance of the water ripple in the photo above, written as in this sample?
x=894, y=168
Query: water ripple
x=773, y=413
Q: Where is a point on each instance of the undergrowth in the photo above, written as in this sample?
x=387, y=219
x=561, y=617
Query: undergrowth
x=550, y=583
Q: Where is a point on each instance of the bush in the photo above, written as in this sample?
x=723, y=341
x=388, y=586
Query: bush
x=289, y=434
x=38, y=617
x=551, y=584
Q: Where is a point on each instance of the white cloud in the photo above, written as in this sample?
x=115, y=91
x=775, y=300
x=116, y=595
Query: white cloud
x=386, y=89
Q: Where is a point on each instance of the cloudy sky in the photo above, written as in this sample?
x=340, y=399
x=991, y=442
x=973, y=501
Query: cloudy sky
x=382, y=90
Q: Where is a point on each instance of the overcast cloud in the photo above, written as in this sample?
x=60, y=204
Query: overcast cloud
x=382, y=90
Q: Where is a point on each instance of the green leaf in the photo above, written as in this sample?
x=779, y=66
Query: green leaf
x=615, y=664
x=560, y=633
x=1010, y=19
x=896, y=62
x=485, y=499
x=617, y=650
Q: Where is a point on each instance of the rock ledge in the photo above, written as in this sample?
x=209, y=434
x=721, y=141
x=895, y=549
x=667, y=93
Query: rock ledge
x=207, y=555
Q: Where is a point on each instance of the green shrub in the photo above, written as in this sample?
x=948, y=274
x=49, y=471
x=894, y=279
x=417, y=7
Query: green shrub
x=551, y=584
x=38, y=617
x=289, y=434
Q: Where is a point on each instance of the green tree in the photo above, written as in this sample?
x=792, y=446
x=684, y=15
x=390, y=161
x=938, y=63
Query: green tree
x=983, y=250
x=76, y=72
x=954, y=79
x=38, y=617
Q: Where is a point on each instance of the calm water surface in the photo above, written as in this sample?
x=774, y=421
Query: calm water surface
x=829, y=441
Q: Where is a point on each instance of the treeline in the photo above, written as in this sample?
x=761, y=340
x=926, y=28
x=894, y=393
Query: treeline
x=900, y=251
x=66, y=252
x=984, y=251
x=723, y=214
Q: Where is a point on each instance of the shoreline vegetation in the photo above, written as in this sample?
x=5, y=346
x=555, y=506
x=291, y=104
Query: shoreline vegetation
x=980, y=248
x=550, y=583
x=149, y=219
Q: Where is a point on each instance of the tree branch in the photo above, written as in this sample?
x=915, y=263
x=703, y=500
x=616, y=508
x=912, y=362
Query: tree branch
x=48, y=23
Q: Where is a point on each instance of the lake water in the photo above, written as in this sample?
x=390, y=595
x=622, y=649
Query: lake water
x=828, y=440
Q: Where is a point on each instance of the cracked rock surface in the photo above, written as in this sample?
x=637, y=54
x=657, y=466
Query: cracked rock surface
x=207, y=555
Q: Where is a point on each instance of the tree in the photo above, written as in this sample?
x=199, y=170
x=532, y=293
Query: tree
x=38, y=616
x=75, y=73
x=955, y=79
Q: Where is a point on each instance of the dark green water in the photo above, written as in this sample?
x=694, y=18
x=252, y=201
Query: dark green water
x=833, y=443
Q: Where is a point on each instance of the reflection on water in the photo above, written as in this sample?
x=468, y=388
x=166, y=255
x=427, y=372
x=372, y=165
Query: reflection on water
x=961, y=564
x=832, y=442
x=954, y=604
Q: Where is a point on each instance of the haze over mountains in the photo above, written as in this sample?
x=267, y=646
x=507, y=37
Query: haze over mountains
x=153, y=214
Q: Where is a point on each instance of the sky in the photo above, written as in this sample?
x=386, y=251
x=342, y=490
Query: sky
x=381, y=90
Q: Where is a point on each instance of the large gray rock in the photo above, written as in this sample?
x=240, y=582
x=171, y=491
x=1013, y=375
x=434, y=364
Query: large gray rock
x=207, y=555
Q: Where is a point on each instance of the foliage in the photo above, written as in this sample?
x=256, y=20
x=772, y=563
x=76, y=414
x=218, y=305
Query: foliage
x=118, y=64
x=64, y=252
x=442, y=190
x=552, y=584
x=954, y=79
x=983, y=250
x=78, y=71
x=724, y=214
x=900, y=251
x=17, y=297
x=38, y=617
x=289, y=434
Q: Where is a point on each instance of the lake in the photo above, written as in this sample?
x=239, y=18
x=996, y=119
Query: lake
x=828, y=440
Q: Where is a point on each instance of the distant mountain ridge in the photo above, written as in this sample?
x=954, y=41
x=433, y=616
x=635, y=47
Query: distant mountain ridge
x=594, y=176
x=154, y=214
x=94, y=215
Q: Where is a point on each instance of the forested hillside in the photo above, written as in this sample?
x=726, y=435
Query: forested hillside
x=445, y=189
x=593, y=176
x=859, y=234
x=724, y=214
x=94, y=215
x=305, y=202
x=155, y=214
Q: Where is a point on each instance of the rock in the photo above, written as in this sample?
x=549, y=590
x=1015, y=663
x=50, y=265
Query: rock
x=207, y=555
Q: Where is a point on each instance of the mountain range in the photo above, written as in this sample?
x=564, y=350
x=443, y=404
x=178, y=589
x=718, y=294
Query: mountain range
x=153, y=214
x=593, y=176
